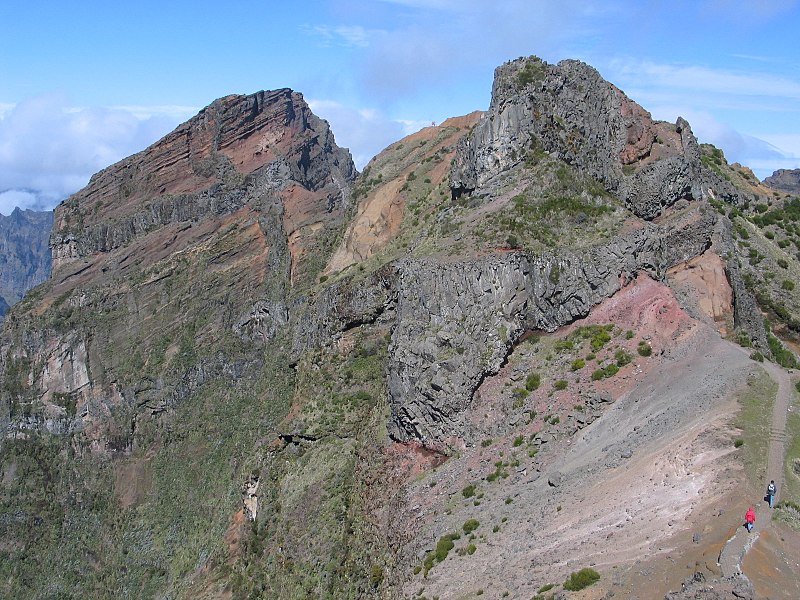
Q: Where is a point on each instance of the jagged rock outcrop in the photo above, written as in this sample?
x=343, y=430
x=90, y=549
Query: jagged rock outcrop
x=785, y=180
x=456, y=323
x=569, y=111
x=24, y=253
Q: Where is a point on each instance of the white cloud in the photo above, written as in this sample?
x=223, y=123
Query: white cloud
x=23, y=199
x=440, y=40
x=680, y=78
x=364, y=131
x=49, y=149
x=789, y=143
x=344, y=35
x=182, y=113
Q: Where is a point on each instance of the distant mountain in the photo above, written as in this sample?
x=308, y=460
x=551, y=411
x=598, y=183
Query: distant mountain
x=785, y=180
x=24, y=252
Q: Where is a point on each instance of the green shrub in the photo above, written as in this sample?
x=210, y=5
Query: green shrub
x=486, y=443
x=444, y=545
x=533, y=381
x=783, y=357
x=561, y=384
x=532, y=71
x=471, y=549
x=787, y=285
x=520, y=394
x=519, y=440
x=644, y=349
x=743, y=340
x=582, y=579
x=376, y=575
x=578, y=364
x=788, y=504
x=738, y=443
x=546, y=588
x=629, y=335
x=470, y=525
x=469, y=491
x=623, y=358
x=757, y=356
x=608, y=371
x=562, y=345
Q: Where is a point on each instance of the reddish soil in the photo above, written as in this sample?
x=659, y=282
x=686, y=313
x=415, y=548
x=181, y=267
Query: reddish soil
x=773, y=563
x=647, y=494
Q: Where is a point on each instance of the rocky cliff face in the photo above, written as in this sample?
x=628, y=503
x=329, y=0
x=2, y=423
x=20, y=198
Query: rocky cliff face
x=24, y=254
x=172, y=271
x=569, y=111
x=457, y=323
x=785, y=180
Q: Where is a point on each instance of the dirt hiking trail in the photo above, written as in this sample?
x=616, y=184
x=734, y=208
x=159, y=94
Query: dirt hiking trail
x=737, y=547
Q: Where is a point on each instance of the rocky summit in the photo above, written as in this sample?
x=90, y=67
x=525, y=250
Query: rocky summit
x=530, y=350
x=785, y=180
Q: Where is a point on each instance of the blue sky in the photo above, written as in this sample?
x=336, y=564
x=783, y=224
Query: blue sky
x=84, y=84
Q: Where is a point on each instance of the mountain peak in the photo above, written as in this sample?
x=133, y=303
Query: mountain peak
x=238, y=150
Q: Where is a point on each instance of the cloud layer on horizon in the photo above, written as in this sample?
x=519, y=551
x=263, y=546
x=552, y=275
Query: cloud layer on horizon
x=49, y=149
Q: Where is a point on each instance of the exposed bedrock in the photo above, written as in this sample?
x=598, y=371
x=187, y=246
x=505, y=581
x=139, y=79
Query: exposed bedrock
x=569, y=111
x=456, y=323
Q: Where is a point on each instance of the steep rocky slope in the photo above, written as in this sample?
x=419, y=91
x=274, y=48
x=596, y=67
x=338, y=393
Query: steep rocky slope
x=254, y=374
x=138, y=378
x=24, y=253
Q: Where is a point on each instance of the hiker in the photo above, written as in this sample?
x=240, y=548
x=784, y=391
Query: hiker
x=771, y=489
x=750, y=519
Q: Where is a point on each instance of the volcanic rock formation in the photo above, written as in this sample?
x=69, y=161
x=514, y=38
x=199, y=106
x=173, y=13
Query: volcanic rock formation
x=254, y=373
x=785, y=180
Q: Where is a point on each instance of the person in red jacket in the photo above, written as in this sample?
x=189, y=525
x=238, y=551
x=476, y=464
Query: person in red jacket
x=750, y=519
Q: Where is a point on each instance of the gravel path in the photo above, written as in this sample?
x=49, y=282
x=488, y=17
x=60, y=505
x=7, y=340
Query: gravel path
x=736, y=548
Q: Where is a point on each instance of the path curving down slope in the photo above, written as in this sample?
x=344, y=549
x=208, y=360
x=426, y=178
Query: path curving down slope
x=734, y=551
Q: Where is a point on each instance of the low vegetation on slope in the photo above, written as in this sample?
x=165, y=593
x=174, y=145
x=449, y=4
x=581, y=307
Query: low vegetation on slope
x=755, y=421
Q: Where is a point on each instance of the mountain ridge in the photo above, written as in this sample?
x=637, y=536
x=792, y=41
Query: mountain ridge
x=255, y=373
